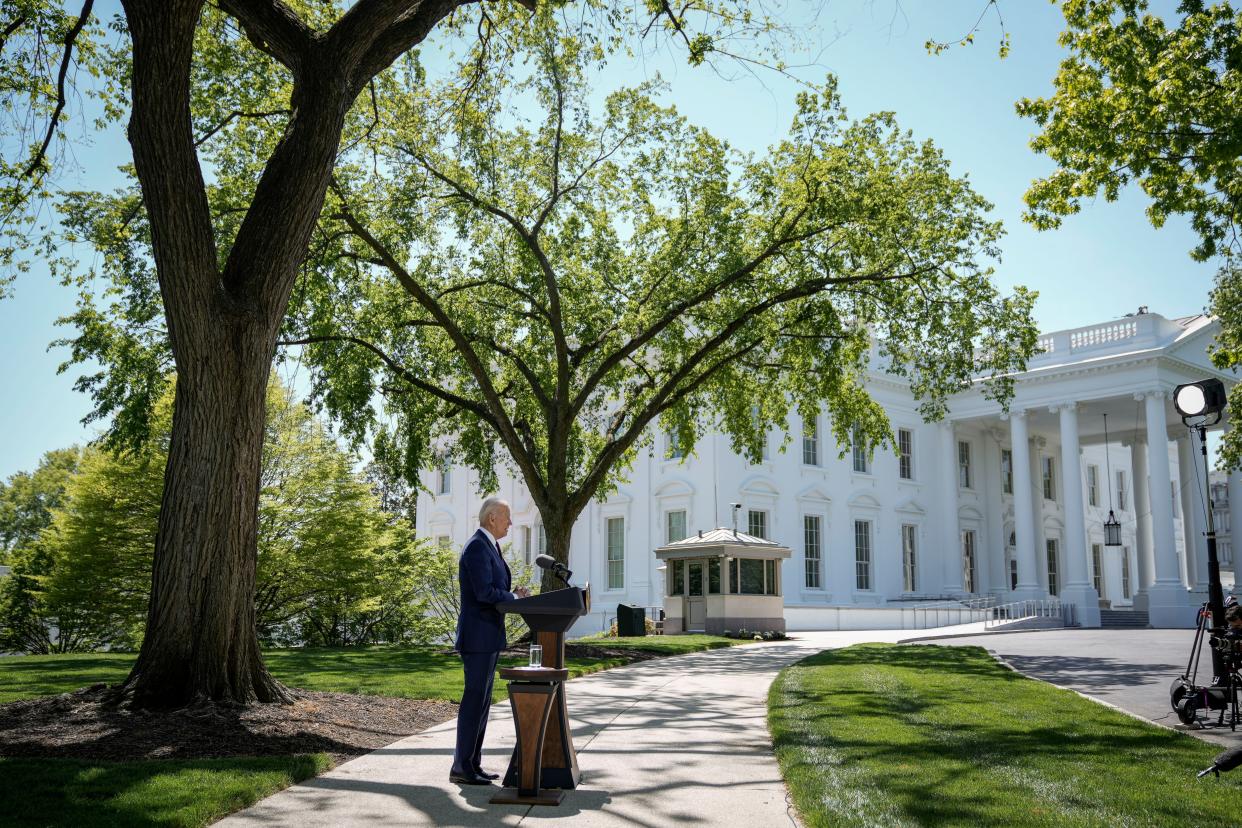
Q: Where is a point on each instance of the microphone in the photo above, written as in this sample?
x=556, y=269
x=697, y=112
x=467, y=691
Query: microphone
x=1226, y=761
x=549, y=562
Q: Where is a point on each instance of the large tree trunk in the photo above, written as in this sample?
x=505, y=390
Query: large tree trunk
x=557, y=530
x=201, y=642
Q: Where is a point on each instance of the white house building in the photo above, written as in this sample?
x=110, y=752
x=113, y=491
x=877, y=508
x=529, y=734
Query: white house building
x=987, y=503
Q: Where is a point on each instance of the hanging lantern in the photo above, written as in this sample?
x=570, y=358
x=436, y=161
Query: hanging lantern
x=1112, y=530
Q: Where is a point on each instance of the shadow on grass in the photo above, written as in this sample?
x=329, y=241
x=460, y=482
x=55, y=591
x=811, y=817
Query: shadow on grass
x=166, y=793
x=933, y=735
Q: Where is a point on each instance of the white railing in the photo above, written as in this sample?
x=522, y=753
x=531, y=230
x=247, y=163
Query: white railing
x=1047, y=344
x=1050, y=610
x=1103, y=334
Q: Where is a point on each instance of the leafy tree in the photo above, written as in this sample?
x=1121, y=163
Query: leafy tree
x=28, y=498
x=263, y=91
x=543, y=290
x=27, y=502
x=1154, y=103
x=333, y=568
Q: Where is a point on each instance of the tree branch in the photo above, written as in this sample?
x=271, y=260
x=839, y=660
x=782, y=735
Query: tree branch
x=274, y=29
x=236, y=113
x=40, y=157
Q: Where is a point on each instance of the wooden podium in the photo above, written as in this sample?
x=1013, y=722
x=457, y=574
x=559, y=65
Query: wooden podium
x=544, y=756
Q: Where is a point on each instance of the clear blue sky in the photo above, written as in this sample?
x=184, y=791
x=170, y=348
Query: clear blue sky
x=1100, y=265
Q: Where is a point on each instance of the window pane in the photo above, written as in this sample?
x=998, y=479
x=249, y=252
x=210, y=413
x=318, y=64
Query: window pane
x=1097, y=565
x=811, y=549
x=676, y=529
x=1006, y=471
x=713, y=576
x=860, y=453
x=679, y=578
x=963, y=464
x=1053, y=585
x=769, y=577
x=905, y=453
x=810, y=443
x=752, y=576
x=734, y=578
x=694, y=579
x=616, y=553
x=862, y=554
x=757, y=524
x=909, y=560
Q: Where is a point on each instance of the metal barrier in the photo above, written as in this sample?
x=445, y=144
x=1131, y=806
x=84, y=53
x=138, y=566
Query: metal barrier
x=1017, y=611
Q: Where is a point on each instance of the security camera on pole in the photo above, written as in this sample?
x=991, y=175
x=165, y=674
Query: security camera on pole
x=1200, y=405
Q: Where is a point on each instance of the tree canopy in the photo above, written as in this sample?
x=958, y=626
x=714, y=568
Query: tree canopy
x=333, y=567
x=1141, y=100
x=538, y=279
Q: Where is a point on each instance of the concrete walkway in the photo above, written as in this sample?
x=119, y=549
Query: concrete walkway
x=674, y=740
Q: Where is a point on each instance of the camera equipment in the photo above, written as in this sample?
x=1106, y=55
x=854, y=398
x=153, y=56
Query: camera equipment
x=1226, y=760
x=1188, y=698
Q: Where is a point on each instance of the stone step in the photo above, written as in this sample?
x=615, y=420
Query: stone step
x=1126, y=619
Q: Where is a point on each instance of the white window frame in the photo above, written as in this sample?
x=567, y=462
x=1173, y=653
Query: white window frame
x=668, y=525
x=810, y=442
x=905, y=453
x=614, y=565
x=1126, y=583
x=909, y=557
x=1097, y=568
x=861, y=462
x=964, y=471
x=864, y=555
x=814, y=563
x=444, y=475
x=970, y=561
x=1093, y=485
x=1006, y=471
x=763, y=516
x=1048, y=467
x=1121, y=490
x=1052, y=552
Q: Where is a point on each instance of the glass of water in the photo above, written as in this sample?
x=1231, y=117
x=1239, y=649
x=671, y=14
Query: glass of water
x=536, y=655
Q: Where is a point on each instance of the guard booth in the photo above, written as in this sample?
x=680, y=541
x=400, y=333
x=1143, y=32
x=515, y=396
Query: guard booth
x=723, y=580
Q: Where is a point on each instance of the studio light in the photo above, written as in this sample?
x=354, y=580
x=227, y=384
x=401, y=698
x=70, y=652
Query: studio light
x=1200, y=399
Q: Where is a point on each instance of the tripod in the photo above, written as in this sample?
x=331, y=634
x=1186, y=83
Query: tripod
x=1188, y=698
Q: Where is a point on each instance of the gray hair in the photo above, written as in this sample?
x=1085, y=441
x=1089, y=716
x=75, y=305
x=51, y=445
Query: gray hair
x=490, y=505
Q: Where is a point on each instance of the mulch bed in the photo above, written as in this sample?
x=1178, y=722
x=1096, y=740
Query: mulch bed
x=81, y=725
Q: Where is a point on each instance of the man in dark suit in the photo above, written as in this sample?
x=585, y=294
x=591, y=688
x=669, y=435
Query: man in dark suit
x=485, y=581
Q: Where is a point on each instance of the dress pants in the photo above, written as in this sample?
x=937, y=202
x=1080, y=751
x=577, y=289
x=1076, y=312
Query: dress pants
x=476, y=703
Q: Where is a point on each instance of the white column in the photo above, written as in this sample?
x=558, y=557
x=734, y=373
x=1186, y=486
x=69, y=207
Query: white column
x=1141, y=508
x=1037, y=445
x=1190, y=478
x=950, y=541
x=1023, y=510
x=1168, y=605
x=1078, y=587
x=1234, y=494
x=997, y=578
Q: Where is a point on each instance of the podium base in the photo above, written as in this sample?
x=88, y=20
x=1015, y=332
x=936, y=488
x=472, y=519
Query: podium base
x=511, y=796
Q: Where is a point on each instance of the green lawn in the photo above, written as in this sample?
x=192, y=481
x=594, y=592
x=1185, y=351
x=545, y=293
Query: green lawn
x=402, y=672
x=926, y=735
x=194, y=793
x=39, y=792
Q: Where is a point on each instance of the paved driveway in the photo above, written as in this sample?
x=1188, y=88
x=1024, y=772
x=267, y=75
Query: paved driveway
x=1129, y=668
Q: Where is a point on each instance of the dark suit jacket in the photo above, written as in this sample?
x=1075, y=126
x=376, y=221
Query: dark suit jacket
x=485, y=581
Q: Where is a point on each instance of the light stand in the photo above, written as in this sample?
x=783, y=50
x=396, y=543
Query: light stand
x=1202, y=402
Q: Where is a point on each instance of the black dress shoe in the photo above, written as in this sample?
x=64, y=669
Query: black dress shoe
x=486, y=775
x=468, y=778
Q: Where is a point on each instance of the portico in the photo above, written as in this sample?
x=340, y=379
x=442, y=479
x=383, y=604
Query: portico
x=1065, y=477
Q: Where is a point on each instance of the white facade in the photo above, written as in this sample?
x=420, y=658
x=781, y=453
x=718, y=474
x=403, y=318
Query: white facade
x=894, y=530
